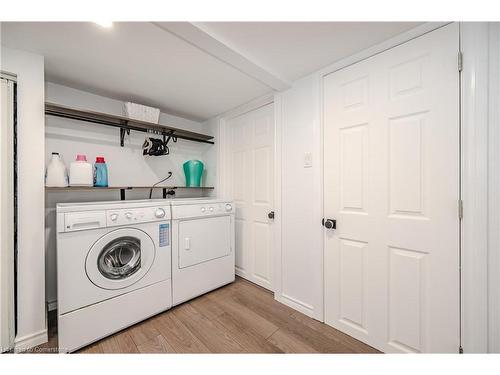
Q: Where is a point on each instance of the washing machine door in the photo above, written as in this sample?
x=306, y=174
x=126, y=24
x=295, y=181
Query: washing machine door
x=120, y=258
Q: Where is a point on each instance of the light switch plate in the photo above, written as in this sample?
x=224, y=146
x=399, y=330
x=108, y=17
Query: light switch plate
x=308, y=160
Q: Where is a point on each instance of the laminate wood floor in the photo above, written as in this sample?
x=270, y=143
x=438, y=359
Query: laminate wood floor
x=238, y=318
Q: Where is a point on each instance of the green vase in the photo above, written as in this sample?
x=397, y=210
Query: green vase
x=193, y=169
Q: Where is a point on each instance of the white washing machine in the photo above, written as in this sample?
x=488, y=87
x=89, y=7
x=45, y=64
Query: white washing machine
x=113, y=267
x=202, y=246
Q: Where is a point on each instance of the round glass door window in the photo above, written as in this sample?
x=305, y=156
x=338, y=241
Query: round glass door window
x=120, y=258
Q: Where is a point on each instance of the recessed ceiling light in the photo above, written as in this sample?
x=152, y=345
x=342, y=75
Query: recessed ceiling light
x=106, y=24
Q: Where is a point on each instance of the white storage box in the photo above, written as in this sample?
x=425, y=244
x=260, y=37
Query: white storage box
x=142, y=112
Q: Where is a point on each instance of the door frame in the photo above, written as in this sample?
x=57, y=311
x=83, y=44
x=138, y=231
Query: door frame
x=9, y=291
x=480, y=90
x=224, y=171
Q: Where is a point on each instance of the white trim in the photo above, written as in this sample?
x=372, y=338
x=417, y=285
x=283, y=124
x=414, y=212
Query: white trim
x=200, y=37
x=494, y=192
x=319, y=204
x=278, y=253
x=8, y=76
x=296, y=305
x=474, y=119
x=30, y=341
x=278, y=139
x=247, y=107
x=7, y=230
x=384, y=46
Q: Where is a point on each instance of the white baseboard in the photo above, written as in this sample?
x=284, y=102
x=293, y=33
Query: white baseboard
x=240, y=273
x=30, y=341
x=296, y=305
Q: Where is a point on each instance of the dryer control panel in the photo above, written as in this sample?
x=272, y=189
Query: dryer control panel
x=197, y=210
x=137, y=215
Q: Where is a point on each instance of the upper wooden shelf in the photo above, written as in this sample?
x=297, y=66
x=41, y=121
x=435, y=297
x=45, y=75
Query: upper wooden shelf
x=124, y=123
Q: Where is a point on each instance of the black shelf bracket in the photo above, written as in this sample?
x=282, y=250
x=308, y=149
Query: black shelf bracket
x=167, y=192
x=122, y=135
x=170, y=135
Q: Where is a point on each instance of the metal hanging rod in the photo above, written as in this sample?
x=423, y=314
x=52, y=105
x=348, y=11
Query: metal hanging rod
x=125, y=124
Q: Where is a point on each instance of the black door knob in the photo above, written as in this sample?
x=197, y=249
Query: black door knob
x=329, y=223
x=270, y=215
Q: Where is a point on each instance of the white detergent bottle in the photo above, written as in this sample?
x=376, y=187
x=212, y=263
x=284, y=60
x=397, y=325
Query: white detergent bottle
x=56, y=174
x=80, y=172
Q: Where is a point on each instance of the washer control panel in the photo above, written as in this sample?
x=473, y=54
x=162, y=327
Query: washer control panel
x=137, y=215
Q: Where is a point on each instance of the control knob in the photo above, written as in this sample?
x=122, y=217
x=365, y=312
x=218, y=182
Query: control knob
x=113, y=217
x=128, y=215
x=159, y=213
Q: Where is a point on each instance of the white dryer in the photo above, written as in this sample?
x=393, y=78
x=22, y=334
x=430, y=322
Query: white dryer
x=202, y=246
x=113, y=267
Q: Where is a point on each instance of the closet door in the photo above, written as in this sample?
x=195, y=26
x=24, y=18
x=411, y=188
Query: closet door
x=6, y=215
x=251, y=164
x=391, y=180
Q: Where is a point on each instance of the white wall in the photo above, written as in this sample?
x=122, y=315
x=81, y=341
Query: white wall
x=298, y=262
x=126, y=165
x=29, y=68
x=211, y=154
x=299, y=282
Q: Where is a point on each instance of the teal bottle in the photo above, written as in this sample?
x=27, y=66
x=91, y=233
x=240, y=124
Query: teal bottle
x=100, y=172
x=193, y=170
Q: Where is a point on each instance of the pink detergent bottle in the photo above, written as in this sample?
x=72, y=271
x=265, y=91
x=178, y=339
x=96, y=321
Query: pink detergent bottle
x=80, y=172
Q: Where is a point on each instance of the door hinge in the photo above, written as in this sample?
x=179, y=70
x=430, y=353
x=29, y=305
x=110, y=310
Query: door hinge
x=460, y=61
x=460, y=209
x=460, y=350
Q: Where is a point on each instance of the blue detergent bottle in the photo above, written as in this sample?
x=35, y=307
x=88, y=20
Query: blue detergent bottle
x=100, y=172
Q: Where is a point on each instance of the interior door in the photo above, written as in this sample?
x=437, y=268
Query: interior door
x=391, y=180
x=252, y=172
x=6, y=215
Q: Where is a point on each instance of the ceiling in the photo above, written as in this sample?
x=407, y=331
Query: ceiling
x=194, y=70
x=295, y=49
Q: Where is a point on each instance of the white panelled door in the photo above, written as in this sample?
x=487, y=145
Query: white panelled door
x=251, y=163
x=391, y=180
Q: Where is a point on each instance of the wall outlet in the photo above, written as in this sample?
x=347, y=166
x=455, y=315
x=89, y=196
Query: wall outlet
x=308, y=160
